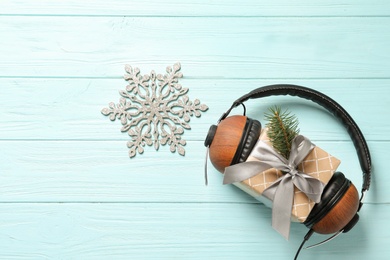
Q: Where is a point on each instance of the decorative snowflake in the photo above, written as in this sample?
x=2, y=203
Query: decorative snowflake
x=154, y=109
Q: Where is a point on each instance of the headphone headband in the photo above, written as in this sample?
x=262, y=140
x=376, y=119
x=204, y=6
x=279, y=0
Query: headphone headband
x=329, y=104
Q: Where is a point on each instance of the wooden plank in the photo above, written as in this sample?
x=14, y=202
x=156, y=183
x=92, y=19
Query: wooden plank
x=230, y=8
x=223, y=47
x=100, y=171
x=170, y=231
x=69, y=109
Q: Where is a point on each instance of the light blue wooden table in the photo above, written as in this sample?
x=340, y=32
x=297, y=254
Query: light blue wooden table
x=68, y=189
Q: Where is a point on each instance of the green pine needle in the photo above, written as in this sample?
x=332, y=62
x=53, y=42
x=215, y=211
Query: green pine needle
x=283, y=128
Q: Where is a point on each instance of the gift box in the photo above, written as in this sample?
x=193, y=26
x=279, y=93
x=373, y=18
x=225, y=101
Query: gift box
x=318, y=164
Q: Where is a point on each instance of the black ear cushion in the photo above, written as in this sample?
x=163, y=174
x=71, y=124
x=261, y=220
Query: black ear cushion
x=351, y=223
x=210, y=136
x=249, y=138
x=333, y=192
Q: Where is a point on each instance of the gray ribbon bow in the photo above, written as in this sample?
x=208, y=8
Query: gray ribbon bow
x=281, y=192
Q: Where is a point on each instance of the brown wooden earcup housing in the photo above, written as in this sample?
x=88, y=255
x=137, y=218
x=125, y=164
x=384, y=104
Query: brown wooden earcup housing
x=232, y=140
x=337, y=209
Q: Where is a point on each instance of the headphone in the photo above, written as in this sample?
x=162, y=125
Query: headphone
x=232, y=140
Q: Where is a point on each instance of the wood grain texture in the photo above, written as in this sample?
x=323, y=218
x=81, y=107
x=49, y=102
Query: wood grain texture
x=93, y=171
x=229, y=8
x=253, y=47
x=68, y=189
x=55, y=108
x=170, y=231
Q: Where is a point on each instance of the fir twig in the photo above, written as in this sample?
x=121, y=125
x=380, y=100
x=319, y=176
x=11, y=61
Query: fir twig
x=282, y=129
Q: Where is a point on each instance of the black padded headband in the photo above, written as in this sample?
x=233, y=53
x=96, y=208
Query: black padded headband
x=332, y=106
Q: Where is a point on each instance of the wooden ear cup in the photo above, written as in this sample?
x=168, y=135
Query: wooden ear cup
x=337, y=209
x=232, y=140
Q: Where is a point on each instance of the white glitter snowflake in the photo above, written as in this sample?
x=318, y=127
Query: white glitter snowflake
x=154, y=109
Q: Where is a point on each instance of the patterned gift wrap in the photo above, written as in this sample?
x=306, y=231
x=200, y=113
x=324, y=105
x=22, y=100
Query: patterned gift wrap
x=318, y=164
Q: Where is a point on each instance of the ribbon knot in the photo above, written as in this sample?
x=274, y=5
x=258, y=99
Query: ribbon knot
x=292, y=171
x=281, y=192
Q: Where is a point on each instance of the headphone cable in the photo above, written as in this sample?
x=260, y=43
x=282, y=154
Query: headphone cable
x=205, y=167
x=306, y=238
